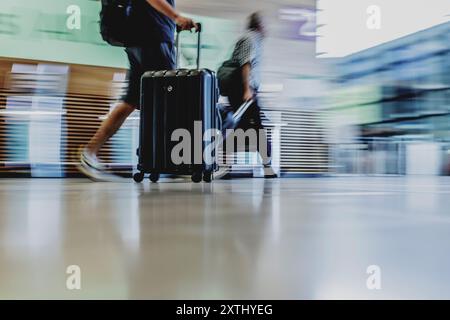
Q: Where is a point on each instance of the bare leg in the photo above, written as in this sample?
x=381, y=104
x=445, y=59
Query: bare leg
x=109, y=127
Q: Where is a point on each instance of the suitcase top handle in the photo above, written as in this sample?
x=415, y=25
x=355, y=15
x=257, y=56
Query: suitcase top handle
x=199, y=27
x=199, y=44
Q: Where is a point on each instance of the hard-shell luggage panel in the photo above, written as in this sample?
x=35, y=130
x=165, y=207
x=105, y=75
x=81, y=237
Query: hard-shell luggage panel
x=174, y=100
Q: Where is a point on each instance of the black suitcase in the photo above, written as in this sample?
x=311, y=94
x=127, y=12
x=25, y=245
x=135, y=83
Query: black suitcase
x=176, y=99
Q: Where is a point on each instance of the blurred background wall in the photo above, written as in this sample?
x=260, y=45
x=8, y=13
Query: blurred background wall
x=58, y=83
x=390, y=106
x=383, y=110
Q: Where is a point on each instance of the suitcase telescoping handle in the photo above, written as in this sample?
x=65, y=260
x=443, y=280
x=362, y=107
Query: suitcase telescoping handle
x=199, y=44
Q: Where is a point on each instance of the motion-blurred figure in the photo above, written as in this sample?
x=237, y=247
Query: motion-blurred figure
x=157, y=18
x=247, y=56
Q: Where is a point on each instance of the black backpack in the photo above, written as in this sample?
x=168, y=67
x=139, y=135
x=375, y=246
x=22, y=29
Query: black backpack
x=229, y=77
x=117, y=23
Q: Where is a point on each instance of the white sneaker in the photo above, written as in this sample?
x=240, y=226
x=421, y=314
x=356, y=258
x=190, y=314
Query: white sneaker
x=222, y=173
x=89, y=165
x=91, y=160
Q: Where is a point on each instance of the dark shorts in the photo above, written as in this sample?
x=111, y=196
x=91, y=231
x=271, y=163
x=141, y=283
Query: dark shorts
x=160, y=56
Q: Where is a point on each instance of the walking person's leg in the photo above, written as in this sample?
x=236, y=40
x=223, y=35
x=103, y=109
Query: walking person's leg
x=109, y=127
x=159, y=56
x=234, y=102
x=223, y=149
x=264, y=145
x=88, y=161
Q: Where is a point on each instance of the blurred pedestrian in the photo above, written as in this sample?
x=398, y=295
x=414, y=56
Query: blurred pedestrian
x=244, y=83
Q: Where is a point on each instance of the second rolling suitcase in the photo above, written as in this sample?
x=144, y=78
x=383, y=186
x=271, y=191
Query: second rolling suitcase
x=177, y=101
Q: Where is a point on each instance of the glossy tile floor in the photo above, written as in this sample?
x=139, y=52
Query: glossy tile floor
x=277, y=239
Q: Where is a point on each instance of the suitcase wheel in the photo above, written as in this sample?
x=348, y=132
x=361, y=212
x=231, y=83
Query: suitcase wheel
x=207, y=177
x=138, y=177
x=154, y=177
x=196, y=177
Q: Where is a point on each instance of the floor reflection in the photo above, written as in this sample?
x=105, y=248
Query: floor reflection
x=255, y=238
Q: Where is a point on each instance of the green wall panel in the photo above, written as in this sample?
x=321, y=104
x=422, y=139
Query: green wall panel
x=38, y=30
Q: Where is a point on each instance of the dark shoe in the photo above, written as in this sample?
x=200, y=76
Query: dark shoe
x=269, y=173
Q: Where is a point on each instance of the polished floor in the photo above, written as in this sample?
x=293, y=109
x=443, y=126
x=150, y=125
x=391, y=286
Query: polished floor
x=241, y=239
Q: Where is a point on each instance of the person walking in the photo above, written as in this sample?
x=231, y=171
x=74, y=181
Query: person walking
x=156, y=51
x=246, y=57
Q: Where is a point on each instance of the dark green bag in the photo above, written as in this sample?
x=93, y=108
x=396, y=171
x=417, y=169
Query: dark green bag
x=228, y=76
